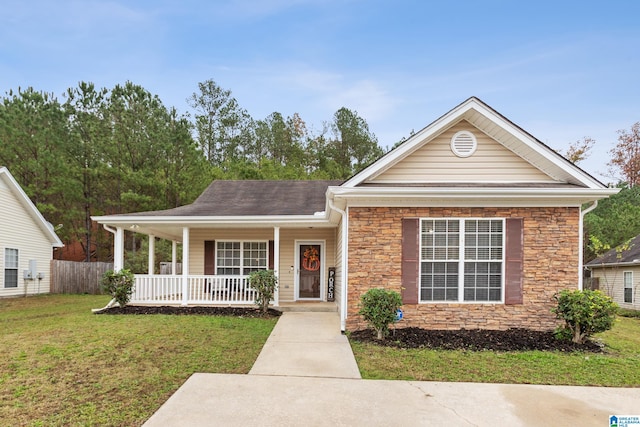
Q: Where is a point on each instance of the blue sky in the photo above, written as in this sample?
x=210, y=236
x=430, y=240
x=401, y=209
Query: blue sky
x=562, y=70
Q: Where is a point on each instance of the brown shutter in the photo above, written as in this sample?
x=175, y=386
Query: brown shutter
x=410, y=248
x=210, y=257
x=271, y=246
x=514, y=261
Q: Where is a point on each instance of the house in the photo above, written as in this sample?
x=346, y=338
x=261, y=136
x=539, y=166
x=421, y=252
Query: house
x=26, y=241
x=477, y=224
x=617, y=273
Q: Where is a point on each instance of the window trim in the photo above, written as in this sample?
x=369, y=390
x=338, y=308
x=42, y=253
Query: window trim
x=241, y=266
x=625, y=287
x=461, y=259
x=16, y=268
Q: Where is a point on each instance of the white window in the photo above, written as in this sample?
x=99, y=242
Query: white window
x=10, y=268
x=240, y=258
x=628, y=286
x=461, y=260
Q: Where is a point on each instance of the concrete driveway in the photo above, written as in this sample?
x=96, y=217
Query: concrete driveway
x=306, y=375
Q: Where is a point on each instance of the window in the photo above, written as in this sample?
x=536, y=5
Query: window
x=10, y=268
x=628, y=286
x=240, y=258
x=461, y=260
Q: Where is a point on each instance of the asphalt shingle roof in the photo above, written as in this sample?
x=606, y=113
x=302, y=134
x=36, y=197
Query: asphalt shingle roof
x=627, y=252
x=251, y=198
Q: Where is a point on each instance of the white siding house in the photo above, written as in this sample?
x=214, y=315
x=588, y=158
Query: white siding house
x=26, y=242
x=617, y=273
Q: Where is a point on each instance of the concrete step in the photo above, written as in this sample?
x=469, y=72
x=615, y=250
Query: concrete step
x=308, y=306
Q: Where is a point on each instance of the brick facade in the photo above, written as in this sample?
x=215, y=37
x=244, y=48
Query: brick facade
x=551, y=262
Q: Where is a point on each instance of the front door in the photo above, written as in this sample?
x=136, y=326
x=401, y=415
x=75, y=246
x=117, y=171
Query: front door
x=310, y=266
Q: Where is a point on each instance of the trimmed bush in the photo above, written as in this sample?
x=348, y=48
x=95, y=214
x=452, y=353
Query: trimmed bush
x=379, y=307
x=265, y=283
x=119, y=285
x=584, y=312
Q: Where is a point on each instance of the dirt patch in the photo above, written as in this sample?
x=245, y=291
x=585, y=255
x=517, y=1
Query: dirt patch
x=203, y=311
x=474, y=339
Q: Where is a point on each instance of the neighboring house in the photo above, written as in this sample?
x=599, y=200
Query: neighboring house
x=26, y=241
x=477, y=223
x=617, y=273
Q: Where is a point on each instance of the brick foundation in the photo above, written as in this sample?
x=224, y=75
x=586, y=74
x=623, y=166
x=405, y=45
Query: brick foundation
x=551, y=260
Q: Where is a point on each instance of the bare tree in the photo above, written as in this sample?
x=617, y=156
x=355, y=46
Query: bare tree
x=625, y=156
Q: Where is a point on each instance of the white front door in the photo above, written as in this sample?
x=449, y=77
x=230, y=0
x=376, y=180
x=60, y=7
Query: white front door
x=309, y=279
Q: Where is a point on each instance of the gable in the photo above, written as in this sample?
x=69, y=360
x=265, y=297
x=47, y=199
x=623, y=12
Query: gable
x=17, y=226
x=435, y=162
x=18, y=215
x=537, y=157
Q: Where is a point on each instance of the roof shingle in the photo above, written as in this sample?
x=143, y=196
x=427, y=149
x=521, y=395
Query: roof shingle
x=253, y=197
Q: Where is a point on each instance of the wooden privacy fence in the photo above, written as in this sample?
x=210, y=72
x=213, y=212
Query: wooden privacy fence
x=71, y=277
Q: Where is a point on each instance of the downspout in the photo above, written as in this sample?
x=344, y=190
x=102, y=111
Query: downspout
x=113, y=301
x=343, y=270
x=581, y=244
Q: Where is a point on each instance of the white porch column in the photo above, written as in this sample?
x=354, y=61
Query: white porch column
x=276, y=263
x=152, y=253
x=185, y=265
x=174, y=257
x=118, y=249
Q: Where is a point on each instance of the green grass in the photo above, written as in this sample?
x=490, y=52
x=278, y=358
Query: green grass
x=63, y=365
x=618, y=366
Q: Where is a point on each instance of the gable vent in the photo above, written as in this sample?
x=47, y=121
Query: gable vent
x=463, y=144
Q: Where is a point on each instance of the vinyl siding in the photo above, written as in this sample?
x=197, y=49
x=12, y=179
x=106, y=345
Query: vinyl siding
x=611, y=282
x=435, y=162
x=287, y=250
x=18, y=230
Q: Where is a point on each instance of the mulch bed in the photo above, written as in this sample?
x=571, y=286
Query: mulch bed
x=474, y=339
x=206, y=311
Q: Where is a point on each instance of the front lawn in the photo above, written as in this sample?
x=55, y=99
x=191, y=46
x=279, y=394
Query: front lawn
x=618, y=365
x=63, y=365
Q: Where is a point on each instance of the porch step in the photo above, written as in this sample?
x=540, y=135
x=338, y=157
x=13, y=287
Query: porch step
x=308, y=306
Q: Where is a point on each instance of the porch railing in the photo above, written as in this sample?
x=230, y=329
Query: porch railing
x=168, y=290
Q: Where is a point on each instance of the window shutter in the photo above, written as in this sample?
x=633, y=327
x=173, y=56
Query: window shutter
x=410, y=260
x=514, y=261
x=271, y=246
x=210, y=257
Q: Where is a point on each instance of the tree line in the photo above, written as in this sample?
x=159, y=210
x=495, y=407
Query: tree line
x=98, y=151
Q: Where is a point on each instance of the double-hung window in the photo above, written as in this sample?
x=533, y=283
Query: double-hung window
x=240, y=258
x=461, y=260
x=10, y=268
x=628, y=286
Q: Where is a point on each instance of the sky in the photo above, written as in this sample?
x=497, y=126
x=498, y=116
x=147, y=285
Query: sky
x=562, y=69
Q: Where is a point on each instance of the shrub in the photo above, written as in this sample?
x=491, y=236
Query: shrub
x=265, y=283
x=379, y=307
x=119, y=285
x=584, y=312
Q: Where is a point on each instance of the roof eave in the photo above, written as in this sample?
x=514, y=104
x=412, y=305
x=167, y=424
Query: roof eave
x=203, y=221
x=474, y=196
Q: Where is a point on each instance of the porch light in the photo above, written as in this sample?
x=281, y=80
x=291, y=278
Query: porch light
x=134, y=226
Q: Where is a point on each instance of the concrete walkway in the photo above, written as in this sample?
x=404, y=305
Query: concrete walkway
x=306, y=375
x=307, y=345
